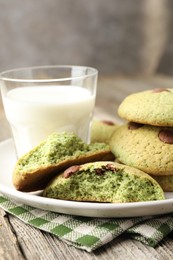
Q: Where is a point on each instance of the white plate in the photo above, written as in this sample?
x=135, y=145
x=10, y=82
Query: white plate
x=7, y=162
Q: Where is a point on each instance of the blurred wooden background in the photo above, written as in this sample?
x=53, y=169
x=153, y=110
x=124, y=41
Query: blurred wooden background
x=117, y=37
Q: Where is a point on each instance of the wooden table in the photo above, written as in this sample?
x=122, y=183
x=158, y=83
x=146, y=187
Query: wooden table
x=19, y=241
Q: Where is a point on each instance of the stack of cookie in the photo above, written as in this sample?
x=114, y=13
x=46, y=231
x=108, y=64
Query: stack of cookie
x=146, y=140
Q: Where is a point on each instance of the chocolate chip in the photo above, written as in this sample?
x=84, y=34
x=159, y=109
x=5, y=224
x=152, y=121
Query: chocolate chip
x=108, y=122
x=68, y=172
x=158, y=90
x=104, y=168
x=109, y=167
x=134, y=126
x=166, y=136
x=99, y=171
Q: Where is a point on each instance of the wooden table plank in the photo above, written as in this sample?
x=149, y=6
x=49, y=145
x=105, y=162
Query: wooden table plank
x=9, y=244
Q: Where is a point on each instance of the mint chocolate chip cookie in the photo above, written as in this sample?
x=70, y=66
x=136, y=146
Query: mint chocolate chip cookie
x=101, y=131
x=104, y=182
x=153, y=107
x=148, y=148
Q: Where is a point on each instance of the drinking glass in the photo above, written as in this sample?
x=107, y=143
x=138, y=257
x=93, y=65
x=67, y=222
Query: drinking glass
x=41, y=100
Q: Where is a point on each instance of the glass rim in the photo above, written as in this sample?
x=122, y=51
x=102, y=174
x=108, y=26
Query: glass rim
x=93, y=72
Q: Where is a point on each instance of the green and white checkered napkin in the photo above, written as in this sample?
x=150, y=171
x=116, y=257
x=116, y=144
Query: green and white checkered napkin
x=90, y=233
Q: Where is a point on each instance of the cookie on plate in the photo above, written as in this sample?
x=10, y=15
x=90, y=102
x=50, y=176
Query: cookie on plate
x=104, y=182
x=166, y=182
x=153, y=107
x=101, y=131
x=60, y=150
x=148, y=148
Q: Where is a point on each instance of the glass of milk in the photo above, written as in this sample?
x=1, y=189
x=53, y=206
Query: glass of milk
x=41, y=100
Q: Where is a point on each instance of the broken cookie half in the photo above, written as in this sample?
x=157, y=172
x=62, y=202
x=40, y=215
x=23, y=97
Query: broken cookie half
x=104, y=182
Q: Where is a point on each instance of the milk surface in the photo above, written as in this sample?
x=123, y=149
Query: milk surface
x=36, y=112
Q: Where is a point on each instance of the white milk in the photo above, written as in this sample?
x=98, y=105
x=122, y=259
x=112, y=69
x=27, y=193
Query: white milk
x=36, y=112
